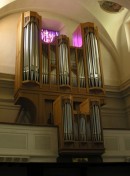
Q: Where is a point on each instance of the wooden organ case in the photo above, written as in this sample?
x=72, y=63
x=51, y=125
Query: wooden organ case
x=59, y=84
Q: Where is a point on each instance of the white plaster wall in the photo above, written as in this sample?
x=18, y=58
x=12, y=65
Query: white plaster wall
x=124, y=55
x=8, y=28
x=110, y=69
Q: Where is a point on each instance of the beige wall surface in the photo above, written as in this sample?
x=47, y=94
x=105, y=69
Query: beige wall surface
x=8, y=29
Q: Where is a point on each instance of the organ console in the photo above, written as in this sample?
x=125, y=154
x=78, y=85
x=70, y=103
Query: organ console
x=61, y=84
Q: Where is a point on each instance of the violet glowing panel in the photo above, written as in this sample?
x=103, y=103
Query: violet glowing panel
x=48, y=36
x=77, y=37
x=77, y=41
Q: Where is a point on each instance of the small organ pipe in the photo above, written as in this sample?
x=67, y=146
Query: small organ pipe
x=36, y=55
x=92, y=59
x=81, y=73
x=82, y=129
x=70, y=122
x=53, y=77
x=95, y=123
x=96, y=74
x=60, y=64
x=69, y=119
x=98, y=64
x=96, y=71
x=67, y=116
x=98, y=122
x=68, y=125
x=64, y=117
x=88, y=49
x=45, y=64
x=26, y=60
x=26, y=53
x=94, y=63
x=32, y=49
x=76, y=129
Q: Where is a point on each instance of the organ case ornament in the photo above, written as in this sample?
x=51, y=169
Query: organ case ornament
x=62, y=84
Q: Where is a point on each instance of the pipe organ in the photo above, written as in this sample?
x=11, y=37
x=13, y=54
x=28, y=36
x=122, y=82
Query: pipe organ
x=64, y=83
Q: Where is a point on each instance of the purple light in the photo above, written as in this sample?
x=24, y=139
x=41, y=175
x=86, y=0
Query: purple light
x=77, y=41
x=48, y=35
x=77, y=37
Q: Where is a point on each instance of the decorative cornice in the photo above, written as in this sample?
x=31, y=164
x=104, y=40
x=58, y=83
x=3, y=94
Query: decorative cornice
x=121, y=91
x=6, y=77
x=125, y=85
x=111, y=91
x=7, y=80
x=7, y=100
x=10, y=107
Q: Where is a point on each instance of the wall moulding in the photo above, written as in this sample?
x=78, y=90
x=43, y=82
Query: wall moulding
x=116, y=97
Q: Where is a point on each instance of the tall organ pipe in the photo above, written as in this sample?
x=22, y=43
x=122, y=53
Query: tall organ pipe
x=82, y=128
x=45, y=70
x=31, y=51
x=81, y=72
x=95, y=123
x=76, y=127
x=67, y=119
x=63, y=64
x=93, y=64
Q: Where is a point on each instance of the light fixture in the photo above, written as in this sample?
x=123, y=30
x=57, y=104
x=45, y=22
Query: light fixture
x=110, y=6
x=48, y=36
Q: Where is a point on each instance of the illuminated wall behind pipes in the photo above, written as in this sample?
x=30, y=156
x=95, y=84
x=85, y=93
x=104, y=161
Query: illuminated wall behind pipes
x=48, y=36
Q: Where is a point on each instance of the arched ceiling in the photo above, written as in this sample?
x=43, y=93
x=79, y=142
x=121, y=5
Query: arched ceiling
x=78, y=11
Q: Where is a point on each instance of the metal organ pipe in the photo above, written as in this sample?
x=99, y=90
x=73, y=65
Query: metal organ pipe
x=90, y=68
x=26, y=67
x=31, y=51
x=81, y=73
x=92, y=54
x=98, y=122
x=67, y=116
x=98, y=64
x=95, y=123
x=32, y=36
x=63, y=64
x=36, y=53
x=53, y=62
x=76, y=127
x=45, y=64
x=82, y=128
